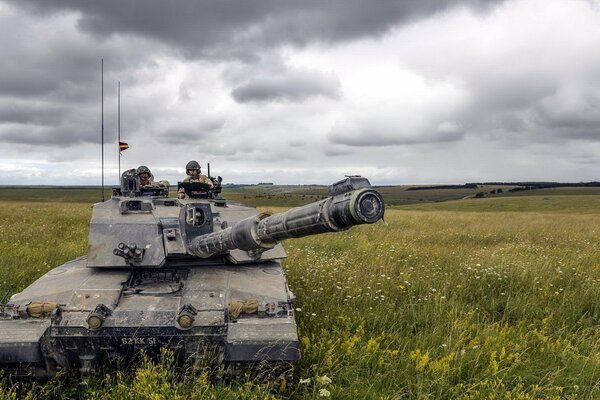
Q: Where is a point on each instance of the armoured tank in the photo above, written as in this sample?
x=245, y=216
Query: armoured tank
x=200, y=276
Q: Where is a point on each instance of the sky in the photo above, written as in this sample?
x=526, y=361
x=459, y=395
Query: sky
x=292, y=92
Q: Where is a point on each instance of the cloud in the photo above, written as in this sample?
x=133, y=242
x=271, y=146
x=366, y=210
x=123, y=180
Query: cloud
x=393, y=120
x=193, y=132
x=333, y=150
x=50, y=82
x=397, y=91
x=381, y=132
x=571, y=111
x=297, y=142
x=15, y=111
x=44, y=57
x=63, y=135
x=292, y=85
x=532, y=77
x=233, y=29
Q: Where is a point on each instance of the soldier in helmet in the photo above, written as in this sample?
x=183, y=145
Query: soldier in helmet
x=193, y=175
x=146, y=177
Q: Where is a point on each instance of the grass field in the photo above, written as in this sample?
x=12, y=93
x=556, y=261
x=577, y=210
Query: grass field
x=482, y=298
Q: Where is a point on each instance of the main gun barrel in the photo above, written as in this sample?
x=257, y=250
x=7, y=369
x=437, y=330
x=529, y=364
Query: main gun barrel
x=351, y=202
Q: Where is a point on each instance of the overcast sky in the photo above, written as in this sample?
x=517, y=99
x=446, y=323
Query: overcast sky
x=302, y=91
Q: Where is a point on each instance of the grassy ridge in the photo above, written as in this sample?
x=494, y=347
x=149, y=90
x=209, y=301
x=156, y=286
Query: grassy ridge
x=440, y=303
x=557, y=191
x=578, y=204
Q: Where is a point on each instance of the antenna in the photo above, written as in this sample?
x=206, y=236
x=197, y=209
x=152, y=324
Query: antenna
x=208, y=172
x=119, y=130
x=102, y=130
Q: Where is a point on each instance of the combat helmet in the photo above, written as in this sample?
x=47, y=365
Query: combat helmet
x=192, y=165
x=142, y=168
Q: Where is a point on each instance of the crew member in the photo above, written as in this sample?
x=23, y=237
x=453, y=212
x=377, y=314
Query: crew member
x=146, y=177
x=192, y=170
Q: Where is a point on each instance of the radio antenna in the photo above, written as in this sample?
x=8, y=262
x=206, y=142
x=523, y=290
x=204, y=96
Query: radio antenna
x=119, y=132
x=102, y=140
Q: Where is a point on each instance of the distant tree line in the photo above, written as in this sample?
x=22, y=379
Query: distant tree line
x=518, y=186
x=540, y=185
x=465, y=186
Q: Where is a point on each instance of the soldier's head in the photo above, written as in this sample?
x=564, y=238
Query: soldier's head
x=192, y=169
x=144, y=174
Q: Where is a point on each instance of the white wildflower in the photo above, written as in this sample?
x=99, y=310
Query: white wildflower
x=324, y=380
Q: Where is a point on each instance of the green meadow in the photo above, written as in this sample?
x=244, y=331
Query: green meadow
x=465, y=299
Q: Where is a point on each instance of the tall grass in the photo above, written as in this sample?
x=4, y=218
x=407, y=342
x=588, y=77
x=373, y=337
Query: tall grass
x=38, y=236
x=435, y=304
x=450, y=304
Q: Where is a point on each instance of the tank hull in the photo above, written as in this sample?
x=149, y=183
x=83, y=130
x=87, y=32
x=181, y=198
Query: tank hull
x=145, y=305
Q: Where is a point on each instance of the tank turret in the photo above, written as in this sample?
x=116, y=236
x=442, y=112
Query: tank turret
x=138, y=232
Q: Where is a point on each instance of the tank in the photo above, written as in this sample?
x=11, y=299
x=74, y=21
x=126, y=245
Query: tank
x=199, y=276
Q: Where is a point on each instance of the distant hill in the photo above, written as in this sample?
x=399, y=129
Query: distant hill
x=434, y=187
x=517, y=186
x=541, y=185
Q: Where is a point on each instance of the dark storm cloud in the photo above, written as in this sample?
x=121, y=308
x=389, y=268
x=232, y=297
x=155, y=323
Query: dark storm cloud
x=548, y=110
x=43, y=135
x=192, y=133
x=296, y=143
x=50, y=51
x=293, y=86
x=50, y=80
x=538, y=107
x=180, y=136
x=573, y=108
x=29, y=112
x=237, y=29
x=372, y=134
x=585, y=158
x=333, y=151
x=42, y=57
